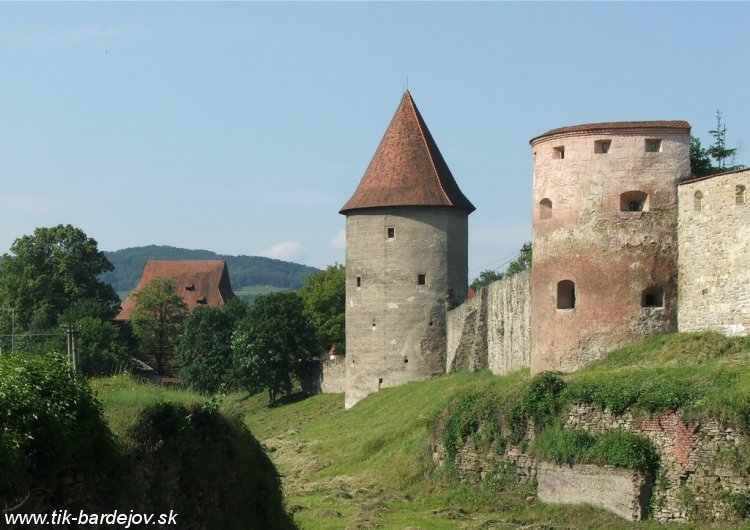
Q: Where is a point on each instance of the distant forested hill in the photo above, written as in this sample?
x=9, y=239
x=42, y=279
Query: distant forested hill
x=244, y=271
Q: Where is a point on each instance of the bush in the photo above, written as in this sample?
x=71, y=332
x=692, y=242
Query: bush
x=50, y=422
x=616, y=448
x=541, y=403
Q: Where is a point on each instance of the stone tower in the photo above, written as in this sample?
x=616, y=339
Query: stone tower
x=604, y=229
x=406, y=259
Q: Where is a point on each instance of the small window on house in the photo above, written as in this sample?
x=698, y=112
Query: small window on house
x=421, y=279
x=739, y=194
x=634, y=201
x=566, y=295
x=558, y=152
x=190, y=287
x=602, y=146
x=545, y=209
x=359, y=282
x=652, y=297
x=698, y=201
x=391, y=232
x=653, y=145
x=202, y=301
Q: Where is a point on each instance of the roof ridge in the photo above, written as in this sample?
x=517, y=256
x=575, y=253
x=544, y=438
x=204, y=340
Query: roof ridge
x=420, y=121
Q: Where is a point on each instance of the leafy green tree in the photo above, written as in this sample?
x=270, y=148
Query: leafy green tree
x=157, y=320
x=522, y=262
x=205, y=349
x=324, y=296
x=700, y=162
x=519, y=264
x=272, y=344
x=485, y=278
x=45, y=273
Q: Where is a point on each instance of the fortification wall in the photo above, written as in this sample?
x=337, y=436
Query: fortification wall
x=492, y=329
x=714, y=254
x=327, y=376
x=605, y=239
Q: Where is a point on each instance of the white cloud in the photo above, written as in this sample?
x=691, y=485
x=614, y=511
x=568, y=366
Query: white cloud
x=339, y=240
x=285, y=250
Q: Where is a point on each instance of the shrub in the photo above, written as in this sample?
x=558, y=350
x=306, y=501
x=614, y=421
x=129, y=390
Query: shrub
x=576, y=446
x=50, y=422
x=541, y=403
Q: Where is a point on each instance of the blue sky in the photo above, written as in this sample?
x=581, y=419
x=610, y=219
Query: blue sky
x=243, y=127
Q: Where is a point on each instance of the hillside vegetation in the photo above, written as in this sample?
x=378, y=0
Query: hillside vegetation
x=372, y=467
x=163, y=452
x=244, y=271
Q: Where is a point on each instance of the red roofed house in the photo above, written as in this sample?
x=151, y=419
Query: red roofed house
x=199, y=283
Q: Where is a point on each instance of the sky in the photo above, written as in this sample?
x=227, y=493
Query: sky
x=244, y=127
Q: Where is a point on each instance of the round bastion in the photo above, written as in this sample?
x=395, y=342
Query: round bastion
x=604, y=230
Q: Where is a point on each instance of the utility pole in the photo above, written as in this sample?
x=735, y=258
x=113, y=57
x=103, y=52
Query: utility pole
x=12, y=327
x=70, y=332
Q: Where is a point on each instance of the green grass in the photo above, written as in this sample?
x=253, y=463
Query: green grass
x=250, y=292
x=372, y=466
x=123, y=398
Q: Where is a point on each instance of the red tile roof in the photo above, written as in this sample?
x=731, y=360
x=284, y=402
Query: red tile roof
x=407, y=169
x=606, y=126
x=198, y=283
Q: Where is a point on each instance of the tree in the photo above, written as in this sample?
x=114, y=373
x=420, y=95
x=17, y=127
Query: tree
x=519, y=264
x=700, y=158
x=45, y=273
x=485, y=278
x=719, y=150
x=272, y=344
x=522, y=262
x=205, y=349
x=700, y=163
x=324, y=296
x=157, y=319
x=102, y=346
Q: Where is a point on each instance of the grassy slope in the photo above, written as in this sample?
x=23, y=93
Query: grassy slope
x=371, y=466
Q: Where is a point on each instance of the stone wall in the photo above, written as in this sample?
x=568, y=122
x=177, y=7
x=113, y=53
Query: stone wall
x=695, y=468
x=623, y=491
x=701, y=465
x=714, y=254
x=492, y=329
x=327, y=376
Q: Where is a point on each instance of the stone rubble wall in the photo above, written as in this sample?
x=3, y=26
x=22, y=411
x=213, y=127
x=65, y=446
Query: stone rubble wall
x=492, y=330
x=698, y=468
x=693, y=460
x=714, y=254
x=327, y=376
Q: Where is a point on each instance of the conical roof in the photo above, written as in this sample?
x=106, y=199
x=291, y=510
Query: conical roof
x=407, y=169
